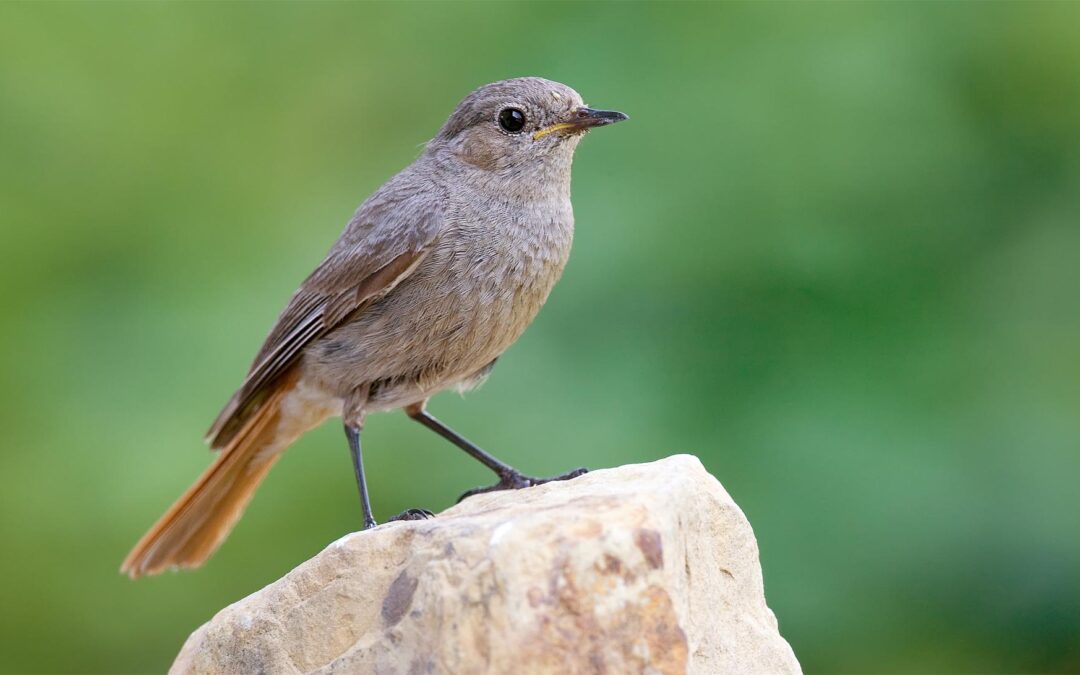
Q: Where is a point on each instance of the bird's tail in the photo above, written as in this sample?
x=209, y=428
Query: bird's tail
x=193, y=528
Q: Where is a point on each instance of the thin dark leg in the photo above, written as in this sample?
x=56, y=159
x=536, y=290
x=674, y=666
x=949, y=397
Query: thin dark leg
x=509, y=477
x=428, y=420
x=353, y=434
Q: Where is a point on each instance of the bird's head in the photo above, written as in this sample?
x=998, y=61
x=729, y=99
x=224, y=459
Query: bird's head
x=516, y=124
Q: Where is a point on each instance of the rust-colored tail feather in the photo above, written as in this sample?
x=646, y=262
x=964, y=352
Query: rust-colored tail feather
x=193, y=528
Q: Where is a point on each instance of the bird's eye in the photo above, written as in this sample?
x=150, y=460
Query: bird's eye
x=512, y=120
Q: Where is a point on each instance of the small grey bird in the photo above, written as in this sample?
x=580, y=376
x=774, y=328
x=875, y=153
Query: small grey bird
x=436, y=274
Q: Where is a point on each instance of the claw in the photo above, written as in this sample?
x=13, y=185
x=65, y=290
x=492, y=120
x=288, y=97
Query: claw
x=414, y=514
x=516, y=481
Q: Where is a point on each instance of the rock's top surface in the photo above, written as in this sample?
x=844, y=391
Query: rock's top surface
x=648, y=568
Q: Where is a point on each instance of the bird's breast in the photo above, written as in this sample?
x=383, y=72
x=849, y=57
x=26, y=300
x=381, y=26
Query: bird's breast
x=502, y=266
x=484, y=280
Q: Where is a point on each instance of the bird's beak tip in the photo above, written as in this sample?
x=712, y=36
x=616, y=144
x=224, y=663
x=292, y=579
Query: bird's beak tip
x=597, y=118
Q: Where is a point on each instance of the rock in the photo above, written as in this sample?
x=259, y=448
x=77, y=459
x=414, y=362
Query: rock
x=649, y=568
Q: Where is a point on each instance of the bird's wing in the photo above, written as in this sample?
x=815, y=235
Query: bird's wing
x=384, y=242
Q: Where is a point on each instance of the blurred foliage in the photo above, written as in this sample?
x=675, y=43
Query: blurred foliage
x=835, y=253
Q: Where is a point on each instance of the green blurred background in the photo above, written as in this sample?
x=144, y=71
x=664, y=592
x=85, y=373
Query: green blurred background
x=835, y=253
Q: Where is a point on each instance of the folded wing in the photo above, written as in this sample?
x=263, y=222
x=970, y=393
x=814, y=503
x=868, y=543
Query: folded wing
x=382, y=244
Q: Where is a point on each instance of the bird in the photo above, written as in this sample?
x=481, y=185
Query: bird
x=436, y=274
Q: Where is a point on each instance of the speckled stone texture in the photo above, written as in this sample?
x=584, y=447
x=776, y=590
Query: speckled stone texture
x=648, y=568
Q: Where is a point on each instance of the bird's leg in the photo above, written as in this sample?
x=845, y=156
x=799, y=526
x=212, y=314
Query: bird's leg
x=354, y=422
x=509, y=477
x=352, y=432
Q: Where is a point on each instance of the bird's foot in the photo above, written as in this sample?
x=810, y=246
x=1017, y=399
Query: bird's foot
x=413, y=514
x=515, y=481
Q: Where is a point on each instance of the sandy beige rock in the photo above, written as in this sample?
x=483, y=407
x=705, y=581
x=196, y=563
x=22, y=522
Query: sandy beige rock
x=649, y=568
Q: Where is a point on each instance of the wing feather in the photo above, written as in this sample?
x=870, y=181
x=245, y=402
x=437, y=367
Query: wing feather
x=383, y=243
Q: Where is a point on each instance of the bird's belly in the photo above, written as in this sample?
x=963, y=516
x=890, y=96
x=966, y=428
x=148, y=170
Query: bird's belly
x=438, y=328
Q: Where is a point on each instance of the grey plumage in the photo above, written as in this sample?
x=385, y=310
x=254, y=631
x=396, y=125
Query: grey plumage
x=436, y=274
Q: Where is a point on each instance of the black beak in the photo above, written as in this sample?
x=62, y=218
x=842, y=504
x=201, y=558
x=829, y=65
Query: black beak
x=583, y=119
x=587, y=118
